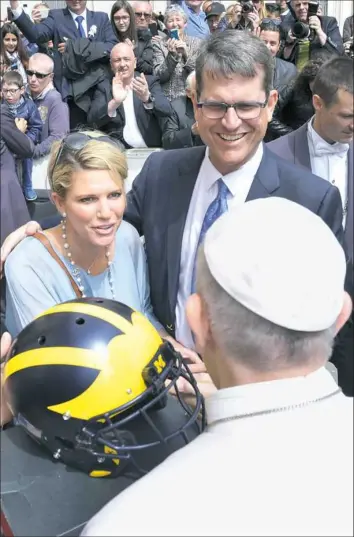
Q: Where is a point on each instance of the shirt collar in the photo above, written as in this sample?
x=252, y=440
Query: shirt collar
x=262, y=396
x=247, y=171
x=317, y=140
x=74, y=15
x=46, y=90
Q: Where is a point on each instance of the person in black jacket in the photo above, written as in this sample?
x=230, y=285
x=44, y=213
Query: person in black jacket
x=284, y=72
x=323, y=34
x=129, y=106
x=143, y=49
x=294, y=106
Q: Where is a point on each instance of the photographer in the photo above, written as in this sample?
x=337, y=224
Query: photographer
x=250, y=18
x=309, y=34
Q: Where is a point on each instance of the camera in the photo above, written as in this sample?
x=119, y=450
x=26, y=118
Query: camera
x=247, y=6
x=301, y=30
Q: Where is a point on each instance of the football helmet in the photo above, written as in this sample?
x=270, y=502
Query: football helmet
x=83, y=371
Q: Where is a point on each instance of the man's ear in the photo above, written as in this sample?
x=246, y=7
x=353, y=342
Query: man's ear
x=345, y=313
x=317, y=102
x=22, y=90
x=197, y=320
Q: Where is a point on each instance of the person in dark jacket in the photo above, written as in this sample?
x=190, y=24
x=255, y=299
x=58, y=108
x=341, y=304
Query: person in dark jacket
x=21, y=106
x=348, y=28
x=144, y=47
x=294, y=107
x=323, y=34
x=271, y=35
x=129, y=106
x=71, y=23
x=14, y=211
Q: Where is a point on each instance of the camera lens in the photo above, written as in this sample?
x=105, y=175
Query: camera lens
x=301, y=30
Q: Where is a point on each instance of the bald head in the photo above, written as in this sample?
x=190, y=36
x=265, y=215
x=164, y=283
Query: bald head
x=190, y=84
x=123, y=61
x=43, y=65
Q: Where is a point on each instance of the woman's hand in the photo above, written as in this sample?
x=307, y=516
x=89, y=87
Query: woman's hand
x=195, y=363
x=171, y=47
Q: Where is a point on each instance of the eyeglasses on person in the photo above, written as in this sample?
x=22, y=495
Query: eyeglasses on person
x=40, y=76
x=10, y=91
x=77, y=140
x=244, y=110
x=140, y=15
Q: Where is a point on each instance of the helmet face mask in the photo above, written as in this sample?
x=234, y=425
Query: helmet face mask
x=106, y=443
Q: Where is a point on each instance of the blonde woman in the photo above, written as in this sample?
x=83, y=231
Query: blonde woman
x=103, y=255
x=174, y=57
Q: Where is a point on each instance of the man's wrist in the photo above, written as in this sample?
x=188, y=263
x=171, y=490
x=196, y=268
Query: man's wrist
x=149, y=99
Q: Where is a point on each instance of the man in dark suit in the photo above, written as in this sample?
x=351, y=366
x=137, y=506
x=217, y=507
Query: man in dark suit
x=326, y=35
x=128, y=107
x=324, y=146
x=61, y=25
x=171, y=201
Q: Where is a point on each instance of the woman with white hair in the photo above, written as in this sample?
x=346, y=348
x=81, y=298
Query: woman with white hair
x=174, y=57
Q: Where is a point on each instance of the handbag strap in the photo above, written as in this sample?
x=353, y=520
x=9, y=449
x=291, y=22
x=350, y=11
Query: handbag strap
x=46, y=243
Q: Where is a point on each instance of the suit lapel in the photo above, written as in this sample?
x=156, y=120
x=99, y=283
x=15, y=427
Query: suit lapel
x=180, y=194
x=138, y=116
x=89, y=21
x=266, y=180
x=348, y=232
x=301, y=148
x=70, y=23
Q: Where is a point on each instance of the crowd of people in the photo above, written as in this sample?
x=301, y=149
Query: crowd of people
x=253, y=103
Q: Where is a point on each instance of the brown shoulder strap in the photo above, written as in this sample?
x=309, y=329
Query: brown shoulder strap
x=46, y=243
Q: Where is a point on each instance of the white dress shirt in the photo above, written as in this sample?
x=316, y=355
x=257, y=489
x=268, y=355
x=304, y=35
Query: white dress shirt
x=83, y=23
x=131, y=132
x=205, y=191
x=286, y=473
x=329, y=161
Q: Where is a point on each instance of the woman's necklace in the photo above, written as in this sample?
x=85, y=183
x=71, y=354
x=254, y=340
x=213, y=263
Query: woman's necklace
x=76, y=271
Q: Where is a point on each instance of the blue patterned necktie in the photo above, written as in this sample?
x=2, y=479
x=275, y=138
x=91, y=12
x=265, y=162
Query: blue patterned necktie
x=79, y=20
x=217, y=207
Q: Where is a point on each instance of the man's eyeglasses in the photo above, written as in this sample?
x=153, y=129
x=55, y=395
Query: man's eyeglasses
x=40, y=76
x=141, y=15
x=244, y=110
x=77, y=140
x=10, y=91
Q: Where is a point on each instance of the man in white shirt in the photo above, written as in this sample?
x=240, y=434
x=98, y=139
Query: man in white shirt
x=264, y=318
x=129, y=106
x=324, y=145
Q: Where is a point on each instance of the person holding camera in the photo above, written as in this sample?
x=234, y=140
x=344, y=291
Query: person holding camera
x=250, y=18
x=308, y=33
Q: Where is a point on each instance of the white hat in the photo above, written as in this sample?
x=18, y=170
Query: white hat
x=280, y=261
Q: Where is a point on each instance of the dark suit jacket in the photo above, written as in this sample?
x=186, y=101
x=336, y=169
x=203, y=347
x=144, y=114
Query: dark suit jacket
x=294, y=148
x=159, y=200
x=147, y=120
x=60, y=24
x=333, y=45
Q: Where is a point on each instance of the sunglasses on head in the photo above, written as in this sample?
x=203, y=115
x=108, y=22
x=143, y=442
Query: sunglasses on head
x=77, y=140
x=40, y=76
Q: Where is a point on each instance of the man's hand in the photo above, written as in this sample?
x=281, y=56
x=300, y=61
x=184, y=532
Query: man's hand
x=15, y=238
x=315, y=24
x=61, y=48
x=14, y=4
x=253, y=17
x=290, y=38
x=119, y=90
x=141, y=88
x=36, y=15
x=21, y=124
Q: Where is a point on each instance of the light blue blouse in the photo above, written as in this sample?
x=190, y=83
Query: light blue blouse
x=35, y=281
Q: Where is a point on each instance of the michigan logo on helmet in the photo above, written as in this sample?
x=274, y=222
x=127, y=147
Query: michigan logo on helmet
x=83, y=371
